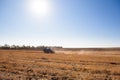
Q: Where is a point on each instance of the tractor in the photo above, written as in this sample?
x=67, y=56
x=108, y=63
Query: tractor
x=48, y=50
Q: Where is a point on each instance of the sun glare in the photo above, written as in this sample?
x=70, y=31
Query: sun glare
x=40, y=8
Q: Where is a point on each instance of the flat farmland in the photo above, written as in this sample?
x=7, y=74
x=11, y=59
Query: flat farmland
x=82, y=65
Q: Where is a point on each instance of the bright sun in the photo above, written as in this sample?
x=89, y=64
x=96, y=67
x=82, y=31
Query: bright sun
x=40, y=8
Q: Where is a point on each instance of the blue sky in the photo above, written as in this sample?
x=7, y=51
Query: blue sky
x=71, y=23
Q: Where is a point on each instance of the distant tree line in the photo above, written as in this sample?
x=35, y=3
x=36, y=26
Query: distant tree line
x=25, y=47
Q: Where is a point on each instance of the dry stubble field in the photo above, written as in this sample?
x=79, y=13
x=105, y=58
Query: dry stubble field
x=35, y=65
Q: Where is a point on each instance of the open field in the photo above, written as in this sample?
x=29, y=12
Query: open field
x=82, y=65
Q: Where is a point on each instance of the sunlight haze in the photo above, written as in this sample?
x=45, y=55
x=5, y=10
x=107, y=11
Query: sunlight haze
x=39, y=8
x=67, y=23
